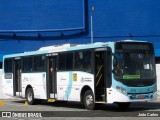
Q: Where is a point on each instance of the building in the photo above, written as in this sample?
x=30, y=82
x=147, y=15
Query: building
x=29, y=25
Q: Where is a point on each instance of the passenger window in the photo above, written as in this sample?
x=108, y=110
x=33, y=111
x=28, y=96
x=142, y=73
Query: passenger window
x=69, y=61
x=27, y=64
x=61, y=62
x=39, y=63
x=83, y=60
x=8, y=65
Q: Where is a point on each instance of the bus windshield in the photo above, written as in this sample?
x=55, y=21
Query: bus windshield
x=130, y=66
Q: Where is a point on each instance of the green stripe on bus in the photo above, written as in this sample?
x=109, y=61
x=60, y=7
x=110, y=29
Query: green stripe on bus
x=131, y=76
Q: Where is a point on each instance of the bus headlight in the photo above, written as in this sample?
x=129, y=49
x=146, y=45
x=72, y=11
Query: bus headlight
x=155, y=89
x=122, y=90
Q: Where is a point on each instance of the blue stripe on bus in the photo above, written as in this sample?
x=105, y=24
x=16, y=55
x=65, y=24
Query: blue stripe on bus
x=138, y=90
x=26, y=54
x=69, y=87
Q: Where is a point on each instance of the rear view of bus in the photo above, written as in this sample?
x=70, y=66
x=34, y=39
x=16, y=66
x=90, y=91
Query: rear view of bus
x=134, y=75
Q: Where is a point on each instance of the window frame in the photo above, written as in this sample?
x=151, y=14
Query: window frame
x=23, y=58
x=73, y=64
x=11, y=65
x=44, y=67
x=33, y=58
x=65, y=54
x=84, y=50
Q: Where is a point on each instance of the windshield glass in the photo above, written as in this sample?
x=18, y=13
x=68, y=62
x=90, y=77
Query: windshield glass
x=134, y=66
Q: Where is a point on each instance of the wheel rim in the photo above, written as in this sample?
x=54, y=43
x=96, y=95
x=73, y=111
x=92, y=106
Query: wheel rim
x=30, y=96
x=89, y=100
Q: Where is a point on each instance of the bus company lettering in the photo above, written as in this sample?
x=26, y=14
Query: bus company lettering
x=43, y=78
x=9, y=81
x=63, y=79
x=25, y=79
x=86, y=79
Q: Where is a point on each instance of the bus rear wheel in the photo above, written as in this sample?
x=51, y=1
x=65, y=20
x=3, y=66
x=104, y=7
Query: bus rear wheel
x=88, y=100
x=30, y=96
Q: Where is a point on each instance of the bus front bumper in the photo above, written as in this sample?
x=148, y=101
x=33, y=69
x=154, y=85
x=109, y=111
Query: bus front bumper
x=116, y=96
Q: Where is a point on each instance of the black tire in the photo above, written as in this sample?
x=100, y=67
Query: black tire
x=30, y=96
x=123, y=105
x=88, y=100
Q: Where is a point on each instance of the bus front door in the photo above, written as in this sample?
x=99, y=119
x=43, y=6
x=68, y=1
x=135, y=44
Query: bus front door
x=17, y=83
x=100, y=76
x=52, y=82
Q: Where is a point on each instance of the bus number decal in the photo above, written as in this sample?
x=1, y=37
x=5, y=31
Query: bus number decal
x=75, y=77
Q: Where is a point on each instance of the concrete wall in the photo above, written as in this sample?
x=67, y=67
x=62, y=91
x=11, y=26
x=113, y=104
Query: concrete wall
x=1, y=92
x=2, y=96
x=158, y=80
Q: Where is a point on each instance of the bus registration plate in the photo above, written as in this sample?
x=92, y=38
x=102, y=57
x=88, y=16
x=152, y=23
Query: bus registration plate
x=140, y=96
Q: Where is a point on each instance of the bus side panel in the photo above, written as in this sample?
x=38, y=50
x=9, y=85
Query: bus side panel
x=115, y=96
x=71, y=83
x=7, y=83
x=37, y=82
x=62, y=83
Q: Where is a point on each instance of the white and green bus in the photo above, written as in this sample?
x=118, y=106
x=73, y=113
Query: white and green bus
x=119, y=72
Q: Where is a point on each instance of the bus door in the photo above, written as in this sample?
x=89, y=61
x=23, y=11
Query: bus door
x=17, y=82
x=100, y=76
x=52, y=81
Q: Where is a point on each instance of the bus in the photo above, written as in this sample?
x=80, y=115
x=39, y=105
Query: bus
x=118, y=72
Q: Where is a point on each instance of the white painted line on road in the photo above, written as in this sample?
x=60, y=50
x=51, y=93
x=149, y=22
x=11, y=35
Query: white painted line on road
x=80, y=118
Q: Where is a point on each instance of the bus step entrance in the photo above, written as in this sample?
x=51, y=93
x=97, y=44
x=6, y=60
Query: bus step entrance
x=103, y=97
x=51, y=100
x=100, y=95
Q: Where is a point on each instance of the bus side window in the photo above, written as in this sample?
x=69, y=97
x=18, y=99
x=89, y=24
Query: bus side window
x=27, y=64
x=62, y=62
x=83, y=60
x=8, y=65
x=39, y=63
x=69, y=61
x=65, y=61
x=78, y=60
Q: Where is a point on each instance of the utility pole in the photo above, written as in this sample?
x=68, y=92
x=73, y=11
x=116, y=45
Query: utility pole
x=92, y=41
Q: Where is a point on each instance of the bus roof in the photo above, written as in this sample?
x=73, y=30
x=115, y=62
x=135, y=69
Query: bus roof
x=67, y=47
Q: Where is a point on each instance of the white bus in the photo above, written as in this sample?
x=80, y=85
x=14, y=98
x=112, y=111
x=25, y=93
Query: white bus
x=113, y=72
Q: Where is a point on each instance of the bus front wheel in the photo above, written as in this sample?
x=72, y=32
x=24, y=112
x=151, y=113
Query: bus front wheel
x=30, y=96
x=88, y=100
